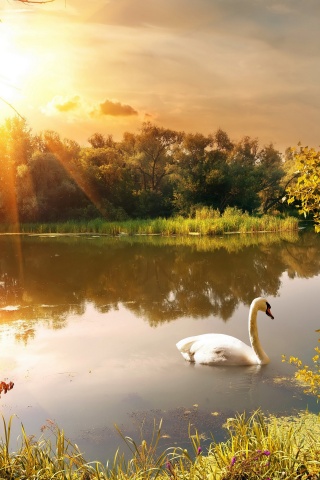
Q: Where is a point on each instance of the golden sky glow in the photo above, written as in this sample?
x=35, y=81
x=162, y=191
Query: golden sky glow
x=80, y=67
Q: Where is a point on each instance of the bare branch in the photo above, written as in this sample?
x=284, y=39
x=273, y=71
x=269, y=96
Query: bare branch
x=11, y=106
x=34, y=1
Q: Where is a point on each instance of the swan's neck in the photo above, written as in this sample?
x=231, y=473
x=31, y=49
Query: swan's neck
x=254, y=338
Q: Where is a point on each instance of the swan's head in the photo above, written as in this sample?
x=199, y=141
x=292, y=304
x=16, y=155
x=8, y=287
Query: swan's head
x=268, y=310
x=263, y=305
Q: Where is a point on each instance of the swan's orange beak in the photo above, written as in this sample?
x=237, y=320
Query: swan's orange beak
x=268, y=312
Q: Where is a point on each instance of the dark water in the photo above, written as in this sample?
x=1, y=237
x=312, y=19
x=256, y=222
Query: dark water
x=89, y=326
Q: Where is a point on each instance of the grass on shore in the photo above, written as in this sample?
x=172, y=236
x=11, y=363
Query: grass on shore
x=204, y=222
x=258, y=447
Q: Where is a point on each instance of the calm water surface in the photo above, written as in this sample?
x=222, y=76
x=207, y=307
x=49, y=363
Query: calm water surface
x=89, y=326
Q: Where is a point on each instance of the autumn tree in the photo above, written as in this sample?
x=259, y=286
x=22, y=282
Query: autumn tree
x=308, y=376
x=305, y=187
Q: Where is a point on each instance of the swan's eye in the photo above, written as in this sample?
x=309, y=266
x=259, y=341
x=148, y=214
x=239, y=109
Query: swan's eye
x=268, y=305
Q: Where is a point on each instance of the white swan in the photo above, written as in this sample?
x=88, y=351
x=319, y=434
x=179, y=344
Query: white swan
x=219, y=349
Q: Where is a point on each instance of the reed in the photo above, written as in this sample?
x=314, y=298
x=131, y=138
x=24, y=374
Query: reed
x=261, y=447
x=204, y=223
x=258, y=447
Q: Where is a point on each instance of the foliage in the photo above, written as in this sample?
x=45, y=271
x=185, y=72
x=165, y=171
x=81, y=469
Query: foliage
x=156, y=172
x=258, y=447
x=309, y=376
x=41, y=459
x=231, y=221
x=5, y=387
x=306, y=188
x=151, y=154
x=269, y=447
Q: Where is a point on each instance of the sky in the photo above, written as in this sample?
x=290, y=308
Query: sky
x=79, y=67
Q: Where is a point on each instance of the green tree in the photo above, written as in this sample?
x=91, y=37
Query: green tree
x=216, y=172
x=151, y=156
x=59, y=183
x=53, y=188
x=98, y=140
x=271, y=173
x=16, y=148
x=26, y=196
x=255, y=176
x=108, y=179
x=243, y=175
x=305, y=188
x=201, y=173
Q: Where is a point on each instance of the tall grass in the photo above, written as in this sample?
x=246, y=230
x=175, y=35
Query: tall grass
x=204, y=222
x=258, y=448
x=261, y=447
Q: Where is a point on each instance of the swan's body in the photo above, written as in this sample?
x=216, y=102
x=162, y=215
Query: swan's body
x=219, y=349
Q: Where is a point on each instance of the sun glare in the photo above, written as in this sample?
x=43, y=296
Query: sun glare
x=15, y=66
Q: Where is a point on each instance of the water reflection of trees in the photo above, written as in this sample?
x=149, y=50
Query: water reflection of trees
x=157, y=279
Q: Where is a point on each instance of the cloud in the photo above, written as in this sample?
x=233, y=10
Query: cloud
x=61, y=104
x=250, y=67
x=116, y=109
x=75, y=107
x=278, y=23
x=137, y=13
x=67, y=105
x=182, y=14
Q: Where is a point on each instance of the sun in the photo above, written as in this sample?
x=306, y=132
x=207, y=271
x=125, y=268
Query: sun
x=15, y=66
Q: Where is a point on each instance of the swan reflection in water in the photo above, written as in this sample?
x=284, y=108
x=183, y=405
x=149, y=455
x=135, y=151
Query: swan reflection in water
x=220, y=349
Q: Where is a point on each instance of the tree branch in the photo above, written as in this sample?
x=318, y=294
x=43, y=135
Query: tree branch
x=9, y=104
x=34, y=1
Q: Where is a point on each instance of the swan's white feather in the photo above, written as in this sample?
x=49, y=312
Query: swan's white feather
x=216, y=349
x=220, y=349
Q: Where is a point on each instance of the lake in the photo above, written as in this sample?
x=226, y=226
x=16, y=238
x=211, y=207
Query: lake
x=89, y=326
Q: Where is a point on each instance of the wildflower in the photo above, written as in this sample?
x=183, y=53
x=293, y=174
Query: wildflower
x=233, y=461
x=199, y=450
x=266, y=452
x=170, y=467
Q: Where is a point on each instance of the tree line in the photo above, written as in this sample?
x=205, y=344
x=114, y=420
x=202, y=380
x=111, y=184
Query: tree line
x=156, y=172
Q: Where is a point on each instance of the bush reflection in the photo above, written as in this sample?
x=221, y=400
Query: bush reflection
x=159, y=279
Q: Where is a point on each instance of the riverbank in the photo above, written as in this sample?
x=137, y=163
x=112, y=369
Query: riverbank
x=258, y=447
x=210, y=224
